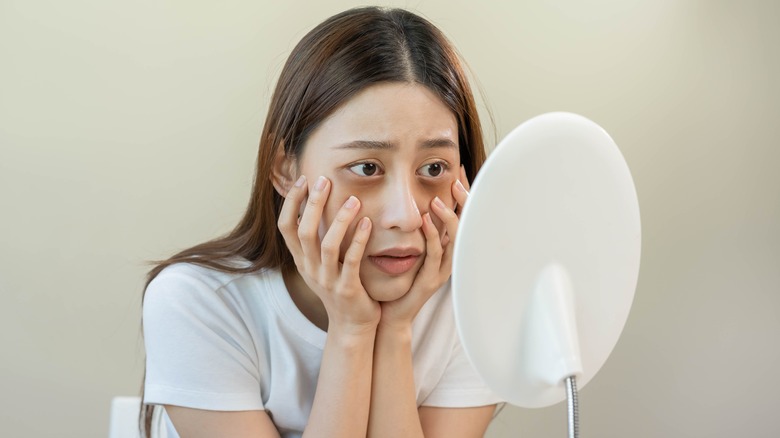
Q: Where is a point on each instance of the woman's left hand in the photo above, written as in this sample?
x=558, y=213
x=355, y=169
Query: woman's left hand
x=437, y=267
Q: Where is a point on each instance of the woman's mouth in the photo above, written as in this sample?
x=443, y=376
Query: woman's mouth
x=394, y=264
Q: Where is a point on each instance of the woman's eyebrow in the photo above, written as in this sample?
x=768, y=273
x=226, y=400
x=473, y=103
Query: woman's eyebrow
x=439, y=143
x=366, y=144
x=374, y=144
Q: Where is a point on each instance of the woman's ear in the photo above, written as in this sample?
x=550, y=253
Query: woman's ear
x=284, y=172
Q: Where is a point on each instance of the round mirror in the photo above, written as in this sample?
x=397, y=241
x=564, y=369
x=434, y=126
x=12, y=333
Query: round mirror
x=546, y=258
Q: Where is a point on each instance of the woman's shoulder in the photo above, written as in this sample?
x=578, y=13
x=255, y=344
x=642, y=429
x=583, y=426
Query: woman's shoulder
x=191, y=281
x=210, y=276
x=191, y=295
x=194, y=272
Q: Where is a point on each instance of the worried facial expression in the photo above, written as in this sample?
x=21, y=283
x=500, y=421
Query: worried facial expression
x=394, y=146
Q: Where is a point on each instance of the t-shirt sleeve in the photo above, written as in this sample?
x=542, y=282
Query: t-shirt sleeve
x=199, y=353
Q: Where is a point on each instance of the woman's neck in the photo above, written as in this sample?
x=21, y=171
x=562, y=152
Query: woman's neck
x=305, y=299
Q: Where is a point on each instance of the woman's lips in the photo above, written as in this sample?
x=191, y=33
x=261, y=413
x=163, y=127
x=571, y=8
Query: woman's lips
x=394, y=265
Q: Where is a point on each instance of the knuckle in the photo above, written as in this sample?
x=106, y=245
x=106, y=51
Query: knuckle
x=352, y=259
x=323, y=279
x=330, y=248
x=284, y=226
x=306, y=236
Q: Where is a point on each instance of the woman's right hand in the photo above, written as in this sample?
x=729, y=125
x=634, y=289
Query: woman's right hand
x=336, y=283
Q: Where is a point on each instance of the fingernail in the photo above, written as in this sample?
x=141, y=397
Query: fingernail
x=427, y=217
x=351, y=202
x=320, y=184
x=459, y=186
x=438, y=202
x=364, y=223
x=300, y=181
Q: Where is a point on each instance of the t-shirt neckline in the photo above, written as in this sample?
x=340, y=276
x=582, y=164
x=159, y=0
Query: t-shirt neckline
x=292, y=315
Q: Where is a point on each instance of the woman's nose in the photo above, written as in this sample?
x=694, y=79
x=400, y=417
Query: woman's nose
x=400, y=209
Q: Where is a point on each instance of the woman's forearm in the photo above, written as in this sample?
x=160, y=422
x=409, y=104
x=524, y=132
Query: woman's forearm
x=341, y=402
x=393, y=397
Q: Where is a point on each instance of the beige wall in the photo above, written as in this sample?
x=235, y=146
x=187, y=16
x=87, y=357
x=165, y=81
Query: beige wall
x=128, y=130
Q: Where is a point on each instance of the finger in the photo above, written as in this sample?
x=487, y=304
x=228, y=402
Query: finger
x=354, y=254
x=445, y=239
x=288, y=216
x=464, y=179
x=450, y=221
x=460, y=191
x=433, y=249
x=331, y=243
x=310, y=220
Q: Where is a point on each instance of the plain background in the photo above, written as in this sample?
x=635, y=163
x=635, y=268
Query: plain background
x=128, y=130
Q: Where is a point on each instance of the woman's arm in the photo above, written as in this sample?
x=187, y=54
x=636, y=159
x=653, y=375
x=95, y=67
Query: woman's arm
x=197, y=423
x=341, y=403
x=394, y=409
x=393, y=402
x=456, y=422
x=340, y=407
x=393, y=397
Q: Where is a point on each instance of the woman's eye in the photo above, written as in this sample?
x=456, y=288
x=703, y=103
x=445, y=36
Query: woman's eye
x=365, y=169
x=433, y=169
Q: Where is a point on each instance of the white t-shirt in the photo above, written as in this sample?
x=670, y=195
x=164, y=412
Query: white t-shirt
x=235, y=342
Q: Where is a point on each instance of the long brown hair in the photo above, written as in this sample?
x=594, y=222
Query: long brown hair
x=340, y=57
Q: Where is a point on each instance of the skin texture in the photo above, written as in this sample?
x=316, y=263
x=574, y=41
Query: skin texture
x=381, y=173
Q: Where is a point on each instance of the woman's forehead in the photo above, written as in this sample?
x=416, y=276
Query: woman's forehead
x=390, y=115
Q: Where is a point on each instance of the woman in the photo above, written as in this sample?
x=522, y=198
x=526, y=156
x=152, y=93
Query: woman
x=326, y=311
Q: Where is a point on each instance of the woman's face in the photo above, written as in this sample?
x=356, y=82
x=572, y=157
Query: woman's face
x=395, y=147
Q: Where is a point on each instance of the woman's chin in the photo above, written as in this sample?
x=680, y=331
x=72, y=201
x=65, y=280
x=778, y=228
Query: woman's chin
x=385, y=295
x=388, y=288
